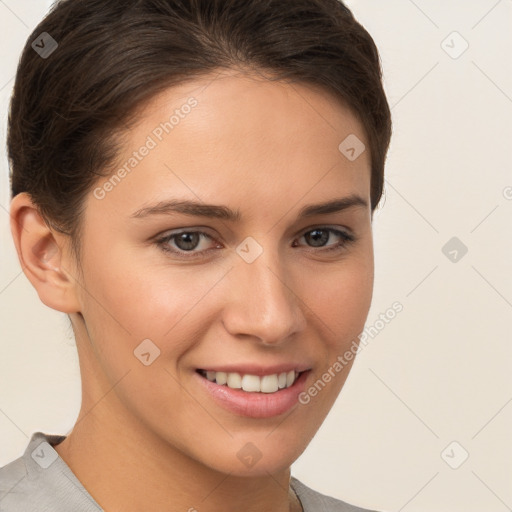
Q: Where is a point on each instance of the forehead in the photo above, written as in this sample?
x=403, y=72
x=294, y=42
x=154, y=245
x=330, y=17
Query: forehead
x=235, y=135
x=239, y=103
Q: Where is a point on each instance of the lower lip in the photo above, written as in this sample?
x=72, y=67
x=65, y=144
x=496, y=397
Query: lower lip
x=254, y=405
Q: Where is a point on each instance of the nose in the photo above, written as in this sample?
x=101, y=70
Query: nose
x=265, y=302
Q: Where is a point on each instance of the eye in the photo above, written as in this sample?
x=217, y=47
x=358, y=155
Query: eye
x=318, y=237
x=186, y=242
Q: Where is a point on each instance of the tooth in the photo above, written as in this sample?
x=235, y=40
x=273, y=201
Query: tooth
x=251, y=383
x=221, y=378
x=234, y=380
x=269, y=384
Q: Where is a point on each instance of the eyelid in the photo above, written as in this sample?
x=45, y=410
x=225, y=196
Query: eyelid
x=204, y=230
x=334, y=227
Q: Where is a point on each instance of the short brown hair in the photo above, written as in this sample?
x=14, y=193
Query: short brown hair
x=67, y=109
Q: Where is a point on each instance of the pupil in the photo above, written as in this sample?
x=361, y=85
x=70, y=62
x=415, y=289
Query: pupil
x=187, y=241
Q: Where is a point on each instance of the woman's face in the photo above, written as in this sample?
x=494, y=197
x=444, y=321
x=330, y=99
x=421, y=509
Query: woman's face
x=204, y=261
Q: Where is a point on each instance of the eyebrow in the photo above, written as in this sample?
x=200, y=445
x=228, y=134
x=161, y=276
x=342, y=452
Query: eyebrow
x=193, y=208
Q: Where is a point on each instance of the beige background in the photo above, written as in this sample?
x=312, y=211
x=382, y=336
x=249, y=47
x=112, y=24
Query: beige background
x=440, y=371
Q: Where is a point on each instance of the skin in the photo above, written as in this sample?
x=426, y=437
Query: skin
x=148, y=437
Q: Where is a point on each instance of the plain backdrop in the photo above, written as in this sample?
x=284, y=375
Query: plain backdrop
x=424, y=421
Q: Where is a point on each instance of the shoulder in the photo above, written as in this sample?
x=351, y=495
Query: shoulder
x=313, y=501
x=41, y=481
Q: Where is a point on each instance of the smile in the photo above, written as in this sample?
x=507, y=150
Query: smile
x=252, y=383
x=251, y=391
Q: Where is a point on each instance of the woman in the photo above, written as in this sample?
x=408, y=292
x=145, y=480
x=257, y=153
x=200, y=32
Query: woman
x=194, y=184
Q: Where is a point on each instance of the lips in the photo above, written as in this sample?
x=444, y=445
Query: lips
x=252, y=391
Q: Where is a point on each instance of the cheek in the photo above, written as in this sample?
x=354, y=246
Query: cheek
x=342, y=300
x=340, y=312
x=128, y=304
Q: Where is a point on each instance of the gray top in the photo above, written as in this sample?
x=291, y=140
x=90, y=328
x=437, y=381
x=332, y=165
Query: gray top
x=40, y=481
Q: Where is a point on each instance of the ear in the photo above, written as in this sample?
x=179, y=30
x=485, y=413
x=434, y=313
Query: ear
x=43, y=256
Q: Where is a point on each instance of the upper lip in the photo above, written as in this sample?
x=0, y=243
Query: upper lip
x=254, y=369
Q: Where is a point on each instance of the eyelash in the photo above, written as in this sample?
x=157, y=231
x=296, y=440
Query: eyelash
x=162, y=243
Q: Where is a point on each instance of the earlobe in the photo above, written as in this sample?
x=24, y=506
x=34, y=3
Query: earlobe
x=42, y=256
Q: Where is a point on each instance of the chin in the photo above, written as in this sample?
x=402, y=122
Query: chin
x=256, y=468
x=257, y=455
